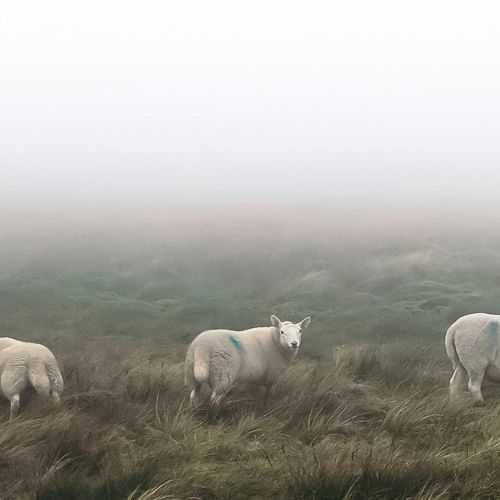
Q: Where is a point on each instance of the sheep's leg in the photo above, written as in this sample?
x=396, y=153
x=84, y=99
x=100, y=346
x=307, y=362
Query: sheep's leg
x=222, y=380
x=12, y=383
x=219, y=392
x=40, y=382
x=216, y=397
x=14, y=405
x=457, y=381
x=475, y=381
x=194, y=397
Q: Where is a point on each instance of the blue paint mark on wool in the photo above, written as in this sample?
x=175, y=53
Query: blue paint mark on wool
x=493, y=327
x=235, y=342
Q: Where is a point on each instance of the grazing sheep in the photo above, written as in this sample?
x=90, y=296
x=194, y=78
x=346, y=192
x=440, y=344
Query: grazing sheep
x=473, y=346
x=24, y=365
x=223, y=358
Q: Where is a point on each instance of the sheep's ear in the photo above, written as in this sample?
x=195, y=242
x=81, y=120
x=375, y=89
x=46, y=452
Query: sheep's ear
x=275, y=321
x=305, y=322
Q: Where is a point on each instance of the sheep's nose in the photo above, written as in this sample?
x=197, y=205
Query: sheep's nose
x=294, y=343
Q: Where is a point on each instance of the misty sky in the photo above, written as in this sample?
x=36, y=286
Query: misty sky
x=276, y=98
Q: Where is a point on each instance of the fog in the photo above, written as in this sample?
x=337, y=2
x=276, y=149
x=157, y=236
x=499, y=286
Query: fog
x=168, y=168
x=278, y=101
x=217, y=160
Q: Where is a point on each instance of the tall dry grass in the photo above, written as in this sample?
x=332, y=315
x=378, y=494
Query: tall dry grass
x=366, y=423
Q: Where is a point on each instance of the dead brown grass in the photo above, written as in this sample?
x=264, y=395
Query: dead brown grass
x=349, y=428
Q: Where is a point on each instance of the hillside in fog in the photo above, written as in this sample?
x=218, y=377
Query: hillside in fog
x=169, y=272
x=172, y=167
x=118, y=291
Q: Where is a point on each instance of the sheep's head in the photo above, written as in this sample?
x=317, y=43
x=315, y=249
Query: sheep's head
x=290, y=334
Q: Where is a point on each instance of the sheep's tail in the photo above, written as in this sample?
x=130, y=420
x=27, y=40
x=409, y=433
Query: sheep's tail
x=197, y=367
x=451, y=349
x=46, y=379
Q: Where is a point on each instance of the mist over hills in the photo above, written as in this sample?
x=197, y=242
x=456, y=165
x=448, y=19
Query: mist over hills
x=117, y=291
x=166, y=272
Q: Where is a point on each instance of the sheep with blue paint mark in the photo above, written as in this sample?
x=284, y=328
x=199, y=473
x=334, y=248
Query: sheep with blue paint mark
x=222, y=359
x=473, y=346
x=24, y=365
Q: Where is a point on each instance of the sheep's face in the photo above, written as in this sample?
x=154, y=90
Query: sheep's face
x=290, y=334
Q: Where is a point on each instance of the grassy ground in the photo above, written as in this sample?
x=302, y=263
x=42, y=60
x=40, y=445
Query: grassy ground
x=364, y=413
x=366, y=423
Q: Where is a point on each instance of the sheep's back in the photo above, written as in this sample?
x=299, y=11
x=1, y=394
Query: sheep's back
x=477, y=336
x=8, y=342
x=26, y=353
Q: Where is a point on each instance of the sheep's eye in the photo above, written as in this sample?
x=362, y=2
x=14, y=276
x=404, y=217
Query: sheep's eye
x=282, y=332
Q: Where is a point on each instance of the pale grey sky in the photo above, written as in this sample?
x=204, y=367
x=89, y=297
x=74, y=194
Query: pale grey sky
x=277, y=98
